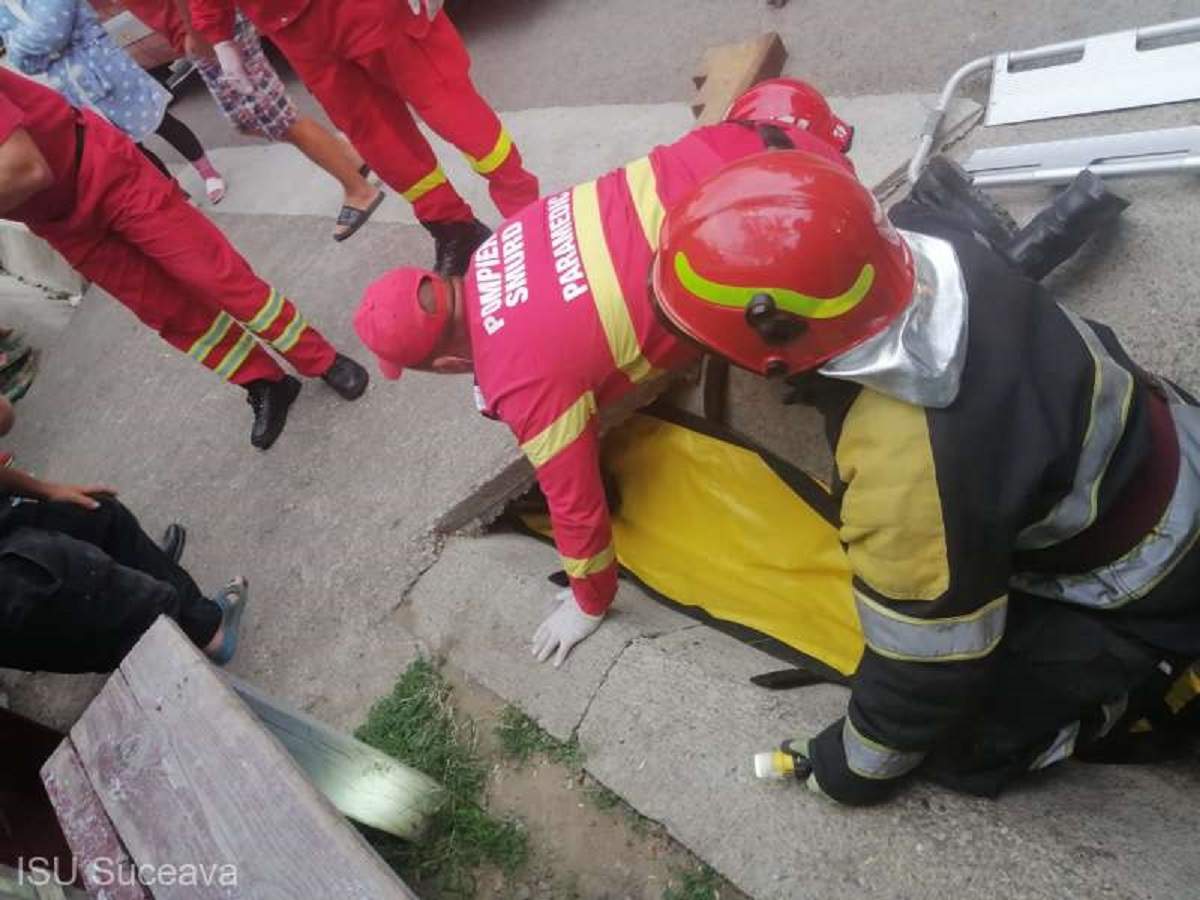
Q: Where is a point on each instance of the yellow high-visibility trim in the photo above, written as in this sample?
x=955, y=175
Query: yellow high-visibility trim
x=892, y=511
x=643, y=188
x=606, y=287
x=582, y=568
x=266, y=316
x=436, y=178
x=559, y=434
x=495, y=158
x=216, y=333
x=1185, y=689
x=291, y=334
x=236, y=356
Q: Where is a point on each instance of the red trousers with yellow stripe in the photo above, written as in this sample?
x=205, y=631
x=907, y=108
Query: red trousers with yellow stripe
x=367, y=62
x=134, y=233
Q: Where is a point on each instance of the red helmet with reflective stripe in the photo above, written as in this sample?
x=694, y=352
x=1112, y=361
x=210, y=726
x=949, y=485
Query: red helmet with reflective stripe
x=780, y=262
x=792, y=102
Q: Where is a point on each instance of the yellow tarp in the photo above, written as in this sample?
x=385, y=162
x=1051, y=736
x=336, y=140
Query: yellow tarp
x=707, y=523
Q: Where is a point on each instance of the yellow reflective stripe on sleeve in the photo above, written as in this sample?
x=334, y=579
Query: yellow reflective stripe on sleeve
x=643, y=188
x=215, y=334
x=952, y=639
x=291, y=334
x=871, y=759
x=266, y=316
x=1185, y=689
x=582, y=568
x=236, y=356
x=559, y=434
x=606, y=287
x=436, y=178
x=495, y=158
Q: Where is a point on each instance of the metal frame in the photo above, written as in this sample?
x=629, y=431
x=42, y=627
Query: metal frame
x=933, y=124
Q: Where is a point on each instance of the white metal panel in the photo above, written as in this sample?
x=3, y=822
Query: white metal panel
x=1112, y=74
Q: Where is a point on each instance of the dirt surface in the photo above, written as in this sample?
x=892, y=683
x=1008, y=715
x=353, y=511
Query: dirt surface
x=579, y=849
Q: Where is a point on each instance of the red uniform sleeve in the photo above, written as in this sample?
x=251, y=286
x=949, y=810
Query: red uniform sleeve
x=12, y=117
x=213, y=20
x=566, y=456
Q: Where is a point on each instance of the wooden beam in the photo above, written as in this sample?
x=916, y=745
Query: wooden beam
x=87, y=828
x=729, y=70
x=189, y=777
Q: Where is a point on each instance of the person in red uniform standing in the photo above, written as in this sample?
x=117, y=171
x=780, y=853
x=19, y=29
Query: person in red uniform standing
x=85, y=188
x=367, y=61
x=555, y=320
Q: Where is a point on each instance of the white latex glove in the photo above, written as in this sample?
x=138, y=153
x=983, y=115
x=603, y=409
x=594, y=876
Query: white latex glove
x=563, y=628
x=232, y=67
x=432, y=7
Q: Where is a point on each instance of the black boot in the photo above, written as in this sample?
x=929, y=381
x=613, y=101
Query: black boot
x=1054, y=234
x=270, y=401
x=173, y=541
x=946, y=187
x=346, y=377
x=455, y=242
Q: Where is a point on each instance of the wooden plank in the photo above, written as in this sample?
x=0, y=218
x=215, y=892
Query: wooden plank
x=188, y=776
x=361, y=782
x=729, y=70
x=99, y=856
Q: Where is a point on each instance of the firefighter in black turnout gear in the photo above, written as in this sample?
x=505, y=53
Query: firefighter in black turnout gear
x=1020, y=501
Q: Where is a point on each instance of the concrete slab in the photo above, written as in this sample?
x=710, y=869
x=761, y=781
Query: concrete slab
x=887, y=127
x=564, y=146
x=355, y=487
x=480, y=605
x=24, y=254
x=1140, y=278
x=673, y=730
x=40, y=314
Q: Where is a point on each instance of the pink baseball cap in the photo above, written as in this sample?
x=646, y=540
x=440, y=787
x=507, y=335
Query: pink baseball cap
x=394, y=326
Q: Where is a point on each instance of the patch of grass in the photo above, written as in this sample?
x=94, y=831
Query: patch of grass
x=416, y=725
x=601, y=797
x=521, y=739
x=693, y=884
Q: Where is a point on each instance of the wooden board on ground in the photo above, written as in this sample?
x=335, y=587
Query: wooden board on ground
x=189, y=778
x=99, y=854
x=729, y=70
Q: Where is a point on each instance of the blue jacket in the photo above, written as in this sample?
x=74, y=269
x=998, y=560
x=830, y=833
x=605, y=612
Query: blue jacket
x=63, y=43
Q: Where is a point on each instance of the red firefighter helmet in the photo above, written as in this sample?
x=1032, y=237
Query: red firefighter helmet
x=780, y=262
x=796, y=103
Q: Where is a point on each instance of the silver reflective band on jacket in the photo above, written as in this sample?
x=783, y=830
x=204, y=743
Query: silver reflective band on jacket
x=1112, y=394
x=919, y=357
x=1139, y=571
x=869, y=759
x=951, y=639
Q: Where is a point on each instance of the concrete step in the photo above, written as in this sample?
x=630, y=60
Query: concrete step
x=668, y=719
